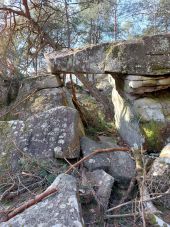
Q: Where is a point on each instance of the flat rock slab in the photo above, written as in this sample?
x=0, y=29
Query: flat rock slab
x=149, y=55
x=60, y=210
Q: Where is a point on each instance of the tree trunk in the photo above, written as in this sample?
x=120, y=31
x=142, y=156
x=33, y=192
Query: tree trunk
x=101, y=98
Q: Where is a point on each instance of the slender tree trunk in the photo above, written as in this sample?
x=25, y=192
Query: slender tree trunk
x=68, y=25
x=115, y=22
x=101, y=98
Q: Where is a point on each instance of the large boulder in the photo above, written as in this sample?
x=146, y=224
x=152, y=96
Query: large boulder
x=44, y=135
x=61, y=209
x=38, y=94
x=146, y=56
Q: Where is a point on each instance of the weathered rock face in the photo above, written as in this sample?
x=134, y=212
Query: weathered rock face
x=142, y=119
x=149, y=55
x=60, y=209
x=118, y=164
x=141, y=84
x=47, y=117
x=99, y=161
x=42, y=100
x=45, y=135
x=103, y=183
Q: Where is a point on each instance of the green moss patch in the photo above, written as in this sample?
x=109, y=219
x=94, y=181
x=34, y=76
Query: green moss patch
x=153, y=133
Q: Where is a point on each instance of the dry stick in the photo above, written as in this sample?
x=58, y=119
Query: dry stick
x=145, y=200
x=71, y=165
x=7, y=192
x=125, y=197
x=94, y=153
x=126, y=215
x=148, y=206
x=29, y=203
x=13, y=194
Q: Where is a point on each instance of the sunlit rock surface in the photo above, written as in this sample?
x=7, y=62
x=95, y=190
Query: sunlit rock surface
x=149, y=55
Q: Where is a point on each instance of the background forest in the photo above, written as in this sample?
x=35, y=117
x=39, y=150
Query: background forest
x=29, y=28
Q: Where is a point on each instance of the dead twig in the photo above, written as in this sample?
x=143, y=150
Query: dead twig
x=6, y=192
x=127, y=215
x=13, y=194
x=94, y=153
x=134, y=201
x=125, y=197
x=149, y=211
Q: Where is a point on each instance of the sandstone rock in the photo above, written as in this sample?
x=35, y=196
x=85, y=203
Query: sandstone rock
x=149, y=109
x=39, y=82
x=146, y=56
x=118, y=164
x=103, y=185
x=122, y=168
x=97, y=187
x=61, y=209
x=44, y=135
x=158, y=178
x=141, y=120
x=165, y=154
x=42, y=100
x=141, y=84
x=126, y=120
x=99, y=161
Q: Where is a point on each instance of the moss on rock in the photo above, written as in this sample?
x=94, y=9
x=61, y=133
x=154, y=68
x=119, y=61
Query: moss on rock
x=153, y=133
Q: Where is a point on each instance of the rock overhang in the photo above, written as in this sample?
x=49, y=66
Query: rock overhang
x=149, y=55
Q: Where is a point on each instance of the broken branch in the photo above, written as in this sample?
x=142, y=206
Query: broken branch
x=28, y=204
x=94, y=153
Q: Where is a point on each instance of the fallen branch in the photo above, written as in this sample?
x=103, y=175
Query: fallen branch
x=93, y=154
x=28, y=204
x=126, y=215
